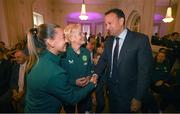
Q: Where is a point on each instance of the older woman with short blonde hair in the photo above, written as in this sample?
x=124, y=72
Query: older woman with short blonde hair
x=77, y=63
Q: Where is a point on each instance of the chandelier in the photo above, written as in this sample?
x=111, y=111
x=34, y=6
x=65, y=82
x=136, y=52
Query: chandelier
x=168, y=17
x=83, y=15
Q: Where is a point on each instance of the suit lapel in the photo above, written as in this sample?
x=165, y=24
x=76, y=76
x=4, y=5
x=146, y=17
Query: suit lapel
x=125, y=46
x=110, y=47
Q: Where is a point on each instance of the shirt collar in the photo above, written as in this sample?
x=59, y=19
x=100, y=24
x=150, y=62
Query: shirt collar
x=123, y=34
x=71, y=49
x=24, y=64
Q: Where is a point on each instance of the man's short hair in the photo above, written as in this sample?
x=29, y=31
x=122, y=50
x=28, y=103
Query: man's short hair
x=117, y=11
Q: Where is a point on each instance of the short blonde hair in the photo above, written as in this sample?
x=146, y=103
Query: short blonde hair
x=71, y=29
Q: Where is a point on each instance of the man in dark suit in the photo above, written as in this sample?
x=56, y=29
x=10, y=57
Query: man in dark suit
x=17, y=80
x=128, y=59
x=5, y=93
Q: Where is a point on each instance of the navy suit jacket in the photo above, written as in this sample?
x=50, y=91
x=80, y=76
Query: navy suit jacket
x=15, y=76
x=134, y=67
x=5, y=76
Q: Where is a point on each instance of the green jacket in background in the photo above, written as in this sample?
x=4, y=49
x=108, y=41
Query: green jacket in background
x=48, y=87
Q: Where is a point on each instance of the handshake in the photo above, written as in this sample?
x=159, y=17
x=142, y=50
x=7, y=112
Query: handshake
x=82, y=82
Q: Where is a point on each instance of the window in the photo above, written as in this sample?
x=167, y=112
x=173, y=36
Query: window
x=86, y=28
x=37, y=19
x=99, y=28
x=133, y=21
x=135, y=25
x=156, y=28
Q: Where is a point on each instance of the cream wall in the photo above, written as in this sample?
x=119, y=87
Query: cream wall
x=177, y=22
x=45, y=8
x=16, y=15
x=3, y=28
x=145, y=9
x=16, y=19
x=62, y=11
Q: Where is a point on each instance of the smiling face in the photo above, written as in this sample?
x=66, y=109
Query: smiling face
x=114, y=24
x=74, y=34
x=20, y=57
x=77, y=37
x=57, y=44
x=60, y=41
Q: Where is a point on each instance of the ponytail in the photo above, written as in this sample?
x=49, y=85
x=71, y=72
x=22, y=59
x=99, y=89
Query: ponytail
x=33, y=55
x=36, y=42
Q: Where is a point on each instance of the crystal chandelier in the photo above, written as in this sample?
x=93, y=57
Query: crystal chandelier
x=83, y=15
x=168, y=17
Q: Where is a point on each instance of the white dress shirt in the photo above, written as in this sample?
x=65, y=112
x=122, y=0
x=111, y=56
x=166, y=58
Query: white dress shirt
x=21, y=76
x=122, y=37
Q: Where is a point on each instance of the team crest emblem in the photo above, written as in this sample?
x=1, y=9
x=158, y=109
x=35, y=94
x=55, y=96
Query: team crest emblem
x=84, y=58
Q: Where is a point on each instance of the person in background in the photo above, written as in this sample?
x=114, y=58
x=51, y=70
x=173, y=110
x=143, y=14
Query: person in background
x=47, y=86
x=176, y=86
x=163, y=83
x=5, y=92
x=99, y=39
x=77, y=63
x=100, y=90
x=156, y=40
x=17, y=80
x=161, y=74
x=161, y=78
x=2, y=46
x=91, y=45
x=85, y=39
x=128, y=60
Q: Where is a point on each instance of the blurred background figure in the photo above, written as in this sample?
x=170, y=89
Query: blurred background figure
x=18, y=81
x=5, y=92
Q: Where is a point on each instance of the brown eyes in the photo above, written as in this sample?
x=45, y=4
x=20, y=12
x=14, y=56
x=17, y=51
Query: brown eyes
x=107, y=24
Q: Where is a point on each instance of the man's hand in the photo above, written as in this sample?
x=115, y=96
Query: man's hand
x=20, y=94
x=14, y=94
x=159, y=83
x=135, y=105
x=17, y=95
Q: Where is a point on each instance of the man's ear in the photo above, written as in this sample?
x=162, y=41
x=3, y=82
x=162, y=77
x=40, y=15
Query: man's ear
x=121, y=21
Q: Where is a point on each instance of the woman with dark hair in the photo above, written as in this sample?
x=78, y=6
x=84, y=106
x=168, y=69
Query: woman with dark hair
x=47, y=83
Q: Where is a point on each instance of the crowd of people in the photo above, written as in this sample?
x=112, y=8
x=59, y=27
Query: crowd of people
x=166, y=75
x=55, y=68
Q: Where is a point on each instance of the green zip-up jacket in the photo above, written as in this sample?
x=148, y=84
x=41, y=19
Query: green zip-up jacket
x=48, y=87
x=77, y=65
